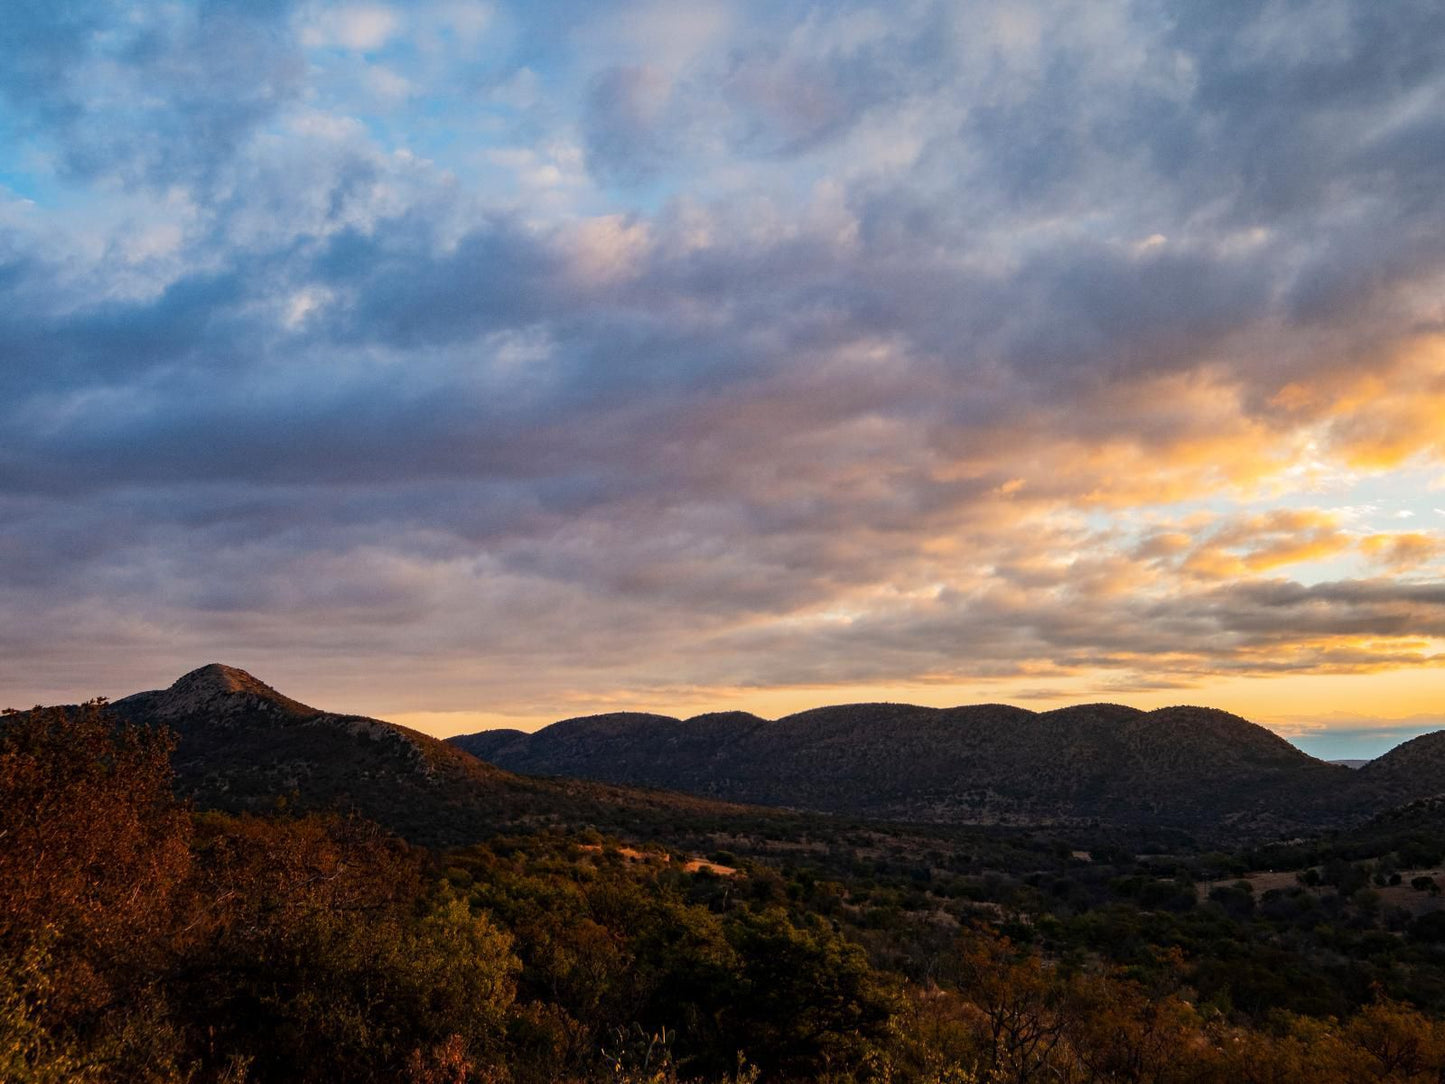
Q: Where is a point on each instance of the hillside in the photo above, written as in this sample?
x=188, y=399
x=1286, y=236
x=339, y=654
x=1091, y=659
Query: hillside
x=988, y=763
x=243, y=746
x=1412, y=770
x=1415, y=831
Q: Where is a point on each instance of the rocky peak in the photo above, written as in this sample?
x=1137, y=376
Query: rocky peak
x=219, y=690
x=217, y=678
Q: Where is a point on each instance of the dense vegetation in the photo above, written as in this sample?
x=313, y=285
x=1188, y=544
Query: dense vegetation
x=143, y=941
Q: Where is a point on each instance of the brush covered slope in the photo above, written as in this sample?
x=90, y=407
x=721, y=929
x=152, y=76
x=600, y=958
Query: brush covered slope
x=1410, y=771
x=244, y=747
x=990, y=763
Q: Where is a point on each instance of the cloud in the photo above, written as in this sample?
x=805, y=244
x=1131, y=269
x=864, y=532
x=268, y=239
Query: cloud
x=623, y=122
x=152, y=96
x=1401, y=551
x=359, y=27
x=1029, y=344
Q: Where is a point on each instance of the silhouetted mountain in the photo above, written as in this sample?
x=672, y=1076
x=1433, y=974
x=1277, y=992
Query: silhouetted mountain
x=979, y=764
x=243, y=746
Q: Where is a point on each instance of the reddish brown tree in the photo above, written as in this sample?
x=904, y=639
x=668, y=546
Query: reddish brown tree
x=93, y=845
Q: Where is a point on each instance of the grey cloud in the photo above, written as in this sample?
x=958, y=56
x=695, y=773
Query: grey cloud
x=627, y=140
x=410, y=297
x=1076, y=314
x=159, y=99
x=695, y=454
x=40, y=41
x=1280, y=609
x=993, y=633
x=774, y=92
x=1283, y=89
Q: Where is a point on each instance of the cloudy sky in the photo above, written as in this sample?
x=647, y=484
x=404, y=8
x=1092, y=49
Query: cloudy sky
x=480, y=364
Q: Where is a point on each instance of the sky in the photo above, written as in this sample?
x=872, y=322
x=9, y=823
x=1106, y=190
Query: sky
x=478, y=364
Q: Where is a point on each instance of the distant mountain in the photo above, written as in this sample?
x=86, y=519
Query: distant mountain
x=243, y=746
x=990, y=763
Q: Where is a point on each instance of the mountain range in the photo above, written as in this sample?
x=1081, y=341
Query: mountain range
x=244, y=746
x=1186, y=767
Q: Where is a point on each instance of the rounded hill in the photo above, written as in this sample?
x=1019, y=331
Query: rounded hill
x=982, y=763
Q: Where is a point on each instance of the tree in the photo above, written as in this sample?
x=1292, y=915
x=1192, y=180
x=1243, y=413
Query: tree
x=806, y=999
x=93, y=856
x=1019, y=1007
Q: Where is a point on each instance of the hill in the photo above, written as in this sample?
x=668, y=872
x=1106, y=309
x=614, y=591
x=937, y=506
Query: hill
x=244, y=747
x=1412, y=770
x=988, y=763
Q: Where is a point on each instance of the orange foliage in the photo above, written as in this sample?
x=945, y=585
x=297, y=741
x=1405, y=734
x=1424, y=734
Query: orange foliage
x=93, y=847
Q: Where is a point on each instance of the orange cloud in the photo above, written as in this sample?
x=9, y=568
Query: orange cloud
x=1401, y=551
x=1378, y=416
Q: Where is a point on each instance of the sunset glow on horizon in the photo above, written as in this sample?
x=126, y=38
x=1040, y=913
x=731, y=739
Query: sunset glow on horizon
x=475, y=364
